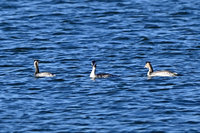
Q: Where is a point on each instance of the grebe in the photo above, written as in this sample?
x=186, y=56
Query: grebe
x=39, y=74
x=101, y=75
x=164, y=73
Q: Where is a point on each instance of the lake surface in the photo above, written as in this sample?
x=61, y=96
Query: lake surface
x=66, y=35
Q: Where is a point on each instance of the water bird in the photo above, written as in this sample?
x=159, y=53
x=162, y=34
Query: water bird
x=163, y=73
x=39, y=74
x=100, y=75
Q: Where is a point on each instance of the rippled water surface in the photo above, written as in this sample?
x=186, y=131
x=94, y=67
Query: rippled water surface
x=121, y=36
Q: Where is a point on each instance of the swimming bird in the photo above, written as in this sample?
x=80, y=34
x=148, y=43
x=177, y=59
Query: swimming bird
x=39, y=74
x=100, y=75
x=163, y=73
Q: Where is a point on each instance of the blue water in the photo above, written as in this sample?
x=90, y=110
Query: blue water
x=67, y=35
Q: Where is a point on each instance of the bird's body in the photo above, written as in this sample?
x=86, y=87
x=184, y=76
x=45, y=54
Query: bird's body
x=41, y=74
x=163, y=73
x=100, y=75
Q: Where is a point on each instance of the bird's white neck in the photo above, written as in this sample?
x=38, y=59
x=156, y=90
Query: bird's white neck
x=150, y=70
x=92, y=74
